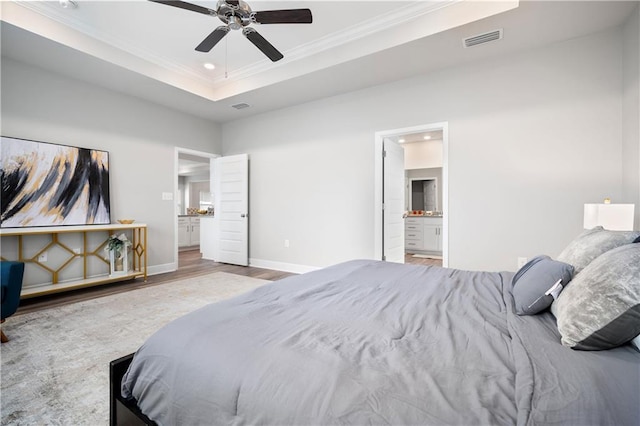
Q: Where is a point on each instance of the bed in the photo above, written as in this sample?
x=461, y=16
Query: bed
x=370, y=342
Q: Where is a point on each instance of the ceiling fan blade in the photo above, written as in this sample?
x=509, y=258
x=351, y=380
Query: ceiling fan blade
x=187, y=6
x=291, y=16
x=213, y=38
x=262, y=44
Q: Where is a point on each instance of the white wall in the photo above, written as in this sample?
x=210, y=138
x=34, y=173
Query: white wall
x=631, y=113
x=140, y=137
x=532, y=137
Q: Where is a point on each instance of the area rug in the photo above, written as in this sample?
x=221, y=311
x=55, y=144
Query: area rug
x=55, y=368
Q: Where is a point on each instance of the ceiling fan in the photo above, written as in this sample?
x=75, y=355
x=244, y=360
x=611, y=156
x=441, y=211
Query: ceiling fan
x=238, y=15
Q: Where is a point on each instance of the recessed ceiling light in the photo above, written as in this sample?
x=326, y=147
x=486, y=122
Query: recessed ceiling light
x=427, y=137
x=68, y=4
x=209, y=66
x=401, y=141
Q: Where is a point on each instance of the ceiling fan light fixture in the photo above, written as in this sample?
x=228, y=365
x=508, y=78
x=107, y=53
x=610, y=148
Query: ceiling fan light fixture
x=235, y=23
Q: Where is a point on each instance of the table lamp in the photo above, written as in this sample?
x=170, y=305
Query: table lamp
x=614, y=217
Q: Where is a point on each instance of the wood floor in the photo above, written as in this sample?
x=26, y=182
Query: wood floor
x=190, y=264
x=408, y=258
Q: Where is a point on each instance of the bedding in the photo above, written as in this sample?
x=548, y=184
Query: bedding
x=368, y=342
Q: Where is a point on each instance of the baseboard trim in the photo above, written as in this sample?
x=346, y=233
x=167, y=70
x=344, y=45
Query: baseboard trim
x=282, y=266
x=162, y=269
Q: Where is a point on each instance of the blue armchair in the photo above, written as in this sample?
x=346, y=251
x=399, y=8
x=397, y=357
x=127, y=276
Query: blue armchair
x=11, y=274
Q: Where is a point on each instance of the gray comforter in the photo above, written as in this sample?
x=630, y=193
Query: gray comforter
x=368, y=342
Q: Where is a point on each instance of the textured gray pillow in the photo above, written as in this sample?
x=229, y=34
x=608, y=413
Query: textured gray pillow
x=592, y=243
x=601, y=307
x=534, y=279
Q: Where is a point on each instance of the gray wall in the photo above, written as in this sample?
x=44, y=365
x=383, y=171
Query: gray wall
x=532, y=137
x=631, y=112
x=140, y=137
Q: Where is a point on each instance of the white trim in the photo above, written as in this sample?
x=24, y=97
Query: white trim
x=177, y=151
x=377, y=198
x=282, y=266
x=162, y=269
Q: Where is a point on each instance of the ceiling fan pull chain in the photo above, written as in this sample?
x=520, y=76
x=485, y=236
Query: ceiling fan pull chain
x=226, y=58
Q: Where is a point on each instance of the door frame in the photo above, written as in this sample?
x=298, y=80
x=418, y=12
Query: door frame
x=378, y=248
x=177, y=152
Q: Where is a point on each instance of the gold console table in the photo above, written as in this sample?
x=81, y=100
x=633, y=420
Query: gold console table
x=89, y=250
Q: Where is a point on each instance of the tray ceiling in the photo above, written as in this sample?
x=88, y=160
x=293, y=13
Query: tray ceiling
x=148, y=49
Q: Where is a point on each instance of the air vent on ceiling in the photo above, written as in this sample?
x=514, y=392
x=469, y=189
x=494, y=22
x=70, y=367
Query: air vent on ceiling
x=241, y=106
x=482, y=38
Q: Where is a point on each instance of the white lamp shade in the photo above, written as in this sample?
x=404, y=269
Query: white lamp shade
x=614, y=217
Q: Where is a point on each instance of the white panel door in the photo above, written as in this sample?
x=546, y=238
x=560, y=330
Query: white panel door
x=231, y=198
x=393, y=202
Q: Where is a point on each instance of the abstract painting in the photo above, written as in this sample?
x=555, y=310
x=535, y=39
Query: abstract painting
x=45, y=184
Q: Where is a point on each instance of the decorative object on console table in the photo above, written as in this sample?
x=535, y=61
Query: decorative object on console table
x=612, y=217
x=118, y=248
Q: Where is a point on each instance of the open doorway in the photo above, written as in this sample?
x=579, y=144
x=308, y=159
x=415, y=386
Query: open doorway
x=193, y=200
x=424, y=233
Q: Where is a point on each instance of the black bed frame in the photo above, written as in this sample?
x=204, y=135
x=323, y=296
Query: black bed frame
x=122, y=411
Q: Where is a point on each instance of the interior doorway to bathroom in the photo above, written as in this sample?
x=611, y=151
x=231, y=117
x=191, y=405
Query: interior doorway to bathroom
x=424, y=226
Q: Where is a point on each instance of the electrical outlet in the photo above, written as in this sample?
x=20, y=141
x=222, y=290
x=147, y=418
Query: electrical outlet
x=286, y=243
x=43, y=257
x=522, y=261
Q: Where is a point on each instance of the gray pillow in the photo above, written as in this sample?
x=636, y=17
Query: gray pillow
x=601, y=307
x=534, y=280
x=592, y=243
